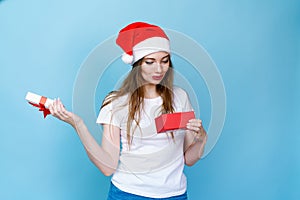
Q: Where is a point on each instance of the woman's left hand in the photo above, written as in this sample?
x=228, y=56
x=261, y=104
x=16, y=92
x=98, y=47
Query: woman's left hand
x=195, y=125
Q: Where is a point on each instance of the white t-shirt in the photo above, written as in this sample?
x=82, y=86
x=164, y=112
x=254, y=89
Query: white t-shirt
x=153, y=166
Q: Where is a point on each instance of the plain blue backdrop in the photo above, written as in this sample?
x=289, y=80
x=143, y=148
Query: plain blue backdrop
x=255, y=44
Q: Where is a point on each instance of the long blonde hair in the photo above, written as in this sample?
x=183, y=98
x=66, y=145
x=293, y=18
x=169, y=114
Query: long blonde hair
x=133, y=86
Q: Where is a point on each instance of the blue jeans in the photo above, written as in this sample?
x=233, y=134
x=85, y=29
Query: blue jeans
x=117, y=194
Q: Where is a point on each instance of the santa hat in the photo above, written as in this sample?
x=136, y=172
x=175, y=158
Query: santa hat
x=140, y=39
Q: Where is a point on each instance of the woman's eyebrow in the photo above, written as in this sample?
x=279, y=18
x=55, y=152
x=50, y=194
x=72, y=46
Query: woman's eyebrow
x=155, y=59
x=150, y=58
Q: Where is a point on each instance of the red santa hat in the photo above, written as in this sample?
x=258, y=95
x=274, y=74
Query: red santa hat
x=140, y=39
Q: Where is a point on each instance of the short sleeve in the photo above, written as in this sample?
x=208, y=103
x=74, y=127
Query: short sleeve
x=106, y=116
x=187, y=104
x=181, y=100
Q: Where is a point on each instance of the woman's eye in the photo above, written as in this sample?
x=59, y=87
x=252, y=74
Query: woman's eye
x=148, y=62
x=165, y=61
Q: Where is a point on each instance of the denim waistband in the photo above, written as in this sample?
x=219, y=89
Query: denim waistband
x=117, y=194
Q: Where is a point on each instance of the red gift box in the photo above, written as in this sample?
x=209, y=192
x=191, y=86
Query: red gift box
x=173, y=121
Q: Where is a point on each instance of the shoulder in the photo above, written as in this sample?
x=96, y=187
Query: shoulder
x=113, y=100
x=181, y=100
x=179, y=92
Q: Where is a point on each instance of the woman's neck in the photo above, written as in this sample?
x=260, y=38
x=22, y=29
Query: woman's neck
x=150, y=91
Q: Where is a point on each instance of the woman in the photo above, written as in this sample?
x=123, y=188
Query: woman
x=144, y=164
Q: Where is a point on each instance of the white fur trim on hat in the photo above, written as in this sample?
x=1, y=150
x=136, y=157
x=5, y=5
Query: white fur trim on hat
x=128, y=59
x=150, y=45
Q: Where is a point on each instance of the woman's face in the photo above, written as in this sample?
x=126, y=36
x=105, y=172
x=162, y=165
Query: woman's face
x=154, y=67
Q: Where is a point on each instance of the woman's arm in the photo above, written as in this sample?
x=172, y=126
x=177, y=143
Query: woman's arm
x=105, y=158
x=194, y=142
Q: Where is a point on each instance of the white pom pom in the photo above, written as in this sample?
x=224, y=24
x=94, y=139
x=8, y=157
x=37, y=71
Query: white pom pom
x=127, y=58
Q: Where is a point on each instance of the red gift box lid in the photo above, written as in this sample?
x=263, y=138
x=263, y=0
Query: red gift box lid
x=173, y=121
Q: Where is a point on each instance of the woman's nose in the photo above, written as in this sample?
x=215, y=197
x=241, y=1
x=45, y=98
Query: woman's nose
x=158, y=67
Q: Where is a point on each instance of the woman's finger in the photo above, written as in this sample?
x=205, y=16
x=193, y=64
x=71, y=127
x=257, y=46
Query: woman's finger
x=194, y=123
x=51, y=109
x=54, y=107
x=62, y=110
x=193, y=128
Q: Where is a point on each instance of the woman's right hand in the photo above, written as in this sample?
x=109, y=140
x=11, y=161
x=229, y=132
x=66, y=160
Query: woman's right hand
x=58, y=110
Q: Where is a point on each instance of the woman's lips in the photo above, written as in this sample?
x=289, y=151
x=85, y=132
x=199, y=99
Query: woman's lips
x=157, y=77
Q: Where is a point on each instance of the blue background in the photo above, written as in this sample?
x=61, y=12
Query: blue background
x=255, y=44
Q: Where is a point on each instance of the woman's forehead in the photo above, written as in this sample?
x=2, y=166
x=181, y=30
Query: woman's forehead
x=157, y=55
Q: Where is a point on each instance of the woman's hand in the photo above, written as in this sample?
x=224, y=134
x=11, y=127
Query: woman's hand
x=58, y=110
x=195, y=126
x=195, y=140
